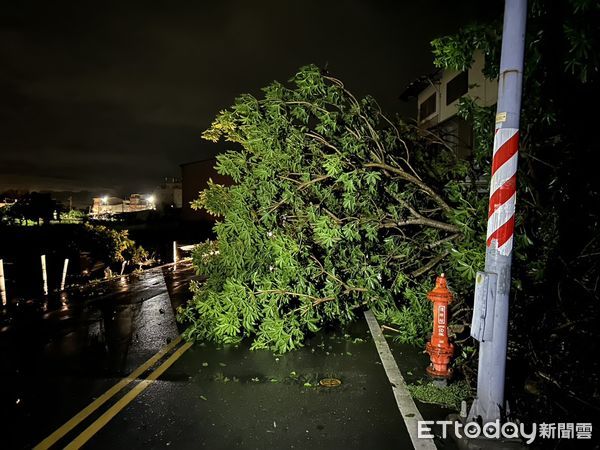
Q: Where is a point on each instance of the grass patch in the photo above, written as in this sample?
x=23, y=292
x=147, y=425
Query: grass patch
x=450, y=396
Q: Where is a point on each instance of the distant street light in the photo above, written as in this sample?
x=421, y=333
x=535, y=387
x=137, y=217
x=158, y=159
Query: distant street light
x=105, y=200
x=151, y=199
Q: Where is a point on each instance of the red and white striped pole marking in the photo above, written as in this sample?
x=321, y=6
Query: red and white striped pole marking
x=503, y=191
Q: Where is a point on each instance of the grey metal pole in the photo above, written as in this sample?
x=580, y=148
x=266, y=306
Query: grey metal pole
x=491, y=301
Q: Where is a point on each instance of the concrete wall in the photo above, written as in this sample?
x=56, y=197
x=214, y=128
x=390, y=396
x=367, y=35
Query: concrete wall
x=168, y=195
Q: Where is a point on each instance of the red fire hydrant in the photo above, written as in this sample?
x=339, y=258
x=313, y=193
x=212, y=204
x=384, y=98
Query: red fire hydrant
x=440, y=348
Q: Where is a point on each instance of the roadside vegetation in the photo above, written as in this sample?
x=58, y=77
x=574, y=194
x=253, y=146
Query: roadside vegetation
x=111, y=246
x=91, y=250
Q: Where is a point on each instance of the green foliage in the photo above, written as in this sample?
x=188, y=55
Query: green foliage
x=5, y=214
x=73, y=216
x=326, y=215
x=450, y=396
x=412, y=318
x=583, y=37
x=110, y=245
x=456, y=52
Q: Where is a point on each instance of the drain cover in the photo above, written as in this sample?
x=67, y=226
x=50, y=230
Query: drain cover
x=330, y=382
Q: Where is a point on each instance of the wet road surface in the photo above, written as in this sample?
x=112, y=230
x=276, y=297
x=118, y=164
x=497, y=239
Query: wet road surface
x=58, y=359
x=231, y=398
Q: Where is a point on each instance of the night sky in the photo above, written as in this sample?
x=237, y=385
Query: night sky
x=113, y=97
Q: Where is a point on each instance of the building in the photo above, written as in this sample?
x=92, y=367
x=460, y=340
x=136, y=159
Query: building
x=166, y=197
x=437, y=97
x=114, y=205
x=106, y=205
x=168, y=194
x=195, y=176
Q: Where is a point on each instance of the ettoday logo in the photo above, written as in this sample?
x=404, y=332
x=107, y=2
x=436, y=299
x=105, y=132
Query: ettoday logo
x=508, y=430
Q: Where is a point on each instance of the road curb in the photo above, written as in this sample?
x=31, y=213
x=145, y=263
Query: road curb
x=408, y=409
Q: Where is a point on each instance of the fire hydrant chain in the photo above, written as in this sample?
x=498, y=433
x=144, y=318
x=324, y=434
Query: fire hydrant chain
x=440, y=348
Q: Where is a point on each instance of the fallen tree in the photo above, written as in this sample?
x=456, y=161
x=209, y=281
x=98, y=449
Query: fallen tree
x=307, y=154
x=334, y=207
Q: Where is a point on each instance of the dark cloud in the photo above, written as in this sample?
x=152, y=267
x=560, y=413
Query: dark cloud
x=115, y=95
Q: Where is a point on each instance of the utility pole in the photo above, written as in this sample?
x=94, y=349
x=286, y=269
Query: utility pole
x=490, y=315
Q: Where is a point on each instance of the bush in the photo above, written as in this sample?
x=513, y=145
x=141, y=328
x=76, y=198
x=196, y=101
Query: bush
x=111, y=246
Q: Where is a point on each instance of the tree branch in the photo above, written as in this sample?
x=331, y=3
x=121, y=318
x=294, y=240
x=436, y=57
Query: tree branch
x=347, y=287
x=304, y=185
x=412, y=179
x=317, y=300
x=430, y=265
x=422, y=221
x=441, y=241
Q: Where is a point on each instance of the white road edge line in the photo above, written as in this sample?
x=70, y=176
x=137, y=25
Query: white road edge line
x=404, y=400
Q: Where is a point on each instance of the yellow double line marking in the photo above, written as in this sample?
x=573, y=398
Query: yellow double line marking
x=119, y=405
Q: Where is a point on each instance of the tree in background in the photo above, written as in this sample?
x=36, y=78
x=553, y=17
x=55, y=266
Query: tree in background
x=73, y=216
x=36, y=207
x=109, y=245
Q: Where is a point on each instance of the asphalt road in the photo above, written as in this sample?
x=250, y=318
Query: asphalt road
x=58, y=358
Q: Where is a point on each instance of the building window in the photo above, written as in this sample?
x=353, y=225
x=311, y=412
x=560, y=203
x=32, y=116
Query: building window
x=427, y=108
x=457, y=87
